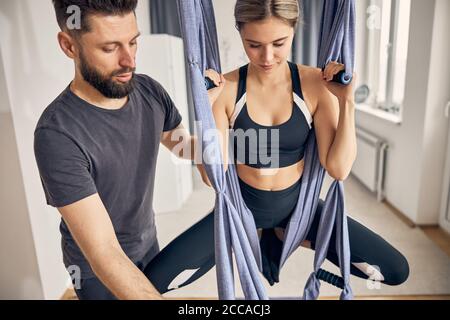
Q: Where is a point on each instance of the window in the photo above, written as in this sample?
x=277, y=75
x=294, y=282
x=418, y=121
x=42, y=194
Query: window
x=382, y=45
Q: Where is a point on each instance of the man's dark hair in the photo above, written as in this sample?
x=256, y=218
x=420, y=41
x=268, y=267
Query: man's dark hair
x=88, y=8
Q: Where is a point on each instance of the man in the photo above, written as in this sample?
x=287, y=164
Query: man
x=96, y=147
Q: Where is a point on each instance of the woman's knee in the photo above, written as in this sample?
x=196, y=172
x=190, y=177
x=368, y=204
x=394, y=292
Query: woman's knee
x=396, y=271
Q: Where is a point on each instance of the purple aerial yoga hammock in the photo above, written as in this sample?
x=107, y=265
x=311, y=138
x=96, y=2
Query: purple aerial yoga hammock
x=235, y=229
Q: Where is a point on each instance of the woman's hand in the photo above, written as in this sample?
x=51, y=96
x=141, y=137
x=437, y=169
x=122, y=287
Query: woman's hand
x=344, y=93
x=219, y=81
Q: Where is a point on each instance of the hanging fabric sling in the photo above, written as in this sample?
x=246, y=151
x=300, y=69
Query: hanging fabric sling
x=235, y=229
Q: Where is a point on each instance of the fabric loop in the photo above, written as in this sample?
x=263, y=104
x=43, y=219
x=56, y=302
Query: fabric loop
x=312, y=288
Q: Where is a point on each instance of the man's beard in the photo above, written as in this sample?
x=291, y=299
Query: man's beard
x=106, y=85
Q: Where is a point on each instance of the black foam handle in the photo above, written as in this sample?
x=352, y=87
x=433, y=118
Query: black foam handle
x=342, y=77
x=330, y=278
x=209, y=84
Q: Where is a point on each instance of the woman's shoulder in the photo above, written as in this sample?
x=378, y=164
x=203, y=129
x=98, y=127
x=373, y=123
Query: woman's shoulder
x=229, y=93
x=311, y=76
x=312, y=84
x=309, y=73
x=225, y=101
x=231, y=83
x=232, y=77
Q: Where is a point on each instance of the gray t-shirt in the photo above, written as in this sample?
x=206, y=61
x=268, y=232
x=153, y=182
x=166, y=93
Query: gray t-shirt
x=82, y=149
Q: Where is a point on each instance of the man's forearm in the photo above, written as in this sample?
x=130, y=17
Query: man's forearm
x=188, y=149
x=193, y=143
x=125, y=281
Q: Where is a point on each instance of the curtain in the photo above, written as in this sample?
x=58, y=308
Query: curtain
x=304, y=48
x=164, y=17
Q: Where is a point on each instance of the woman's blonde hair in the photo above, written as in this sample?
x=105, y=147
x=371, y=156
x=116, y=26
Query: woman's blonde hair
x=246, y=11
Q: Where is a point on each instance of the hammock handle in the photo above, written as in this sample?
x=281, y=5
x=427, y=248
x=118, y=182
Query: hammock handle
x=330, y=278
x=209, y=84
x=342, y=77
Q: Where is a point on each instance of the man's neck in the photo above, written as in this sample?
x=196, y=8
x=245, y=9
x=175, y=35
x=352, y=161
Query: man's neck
x=88, y=93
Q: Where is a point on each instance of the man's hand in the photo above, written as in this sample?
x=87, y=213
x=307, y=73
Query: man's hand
x=219, y=81
x=205, y=178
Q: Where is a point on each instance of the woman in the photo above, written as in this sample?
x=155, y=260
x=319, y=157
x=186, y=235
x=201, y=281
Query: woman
x=271, y=104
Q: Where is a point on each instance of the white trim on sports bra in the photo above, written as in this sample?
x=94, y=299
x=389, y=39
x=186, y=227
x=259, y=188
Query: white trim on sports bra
x=238, y=108
x=302, y=105
x=299, y=102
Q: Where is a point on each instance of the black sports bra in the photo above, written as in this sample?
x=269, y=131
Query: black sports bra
x=279, y=146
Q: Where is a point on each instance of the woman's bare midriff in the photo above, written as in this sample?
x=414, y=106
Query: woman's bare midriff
x=271, y=179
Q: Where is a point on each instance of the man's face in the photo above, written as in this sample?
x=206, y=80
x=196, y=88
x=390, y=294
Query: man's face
x=107, y=54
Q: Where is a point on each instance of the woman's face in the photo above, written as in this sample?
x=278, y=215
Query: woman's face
x=267, y=43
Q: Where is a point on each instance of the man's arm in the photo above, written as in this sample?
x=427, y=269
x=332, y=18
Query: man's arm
x=91, y=227
x=181, y=143
x=184, y=146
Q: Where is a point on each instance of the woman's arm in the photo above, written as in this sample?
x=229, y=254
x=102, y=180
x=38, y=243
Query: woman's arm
x=334, y=121
x=219, y=109
x=223, y=124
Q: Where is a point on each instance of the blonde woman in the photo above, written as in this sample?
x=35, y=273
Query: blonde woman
x=270, y=106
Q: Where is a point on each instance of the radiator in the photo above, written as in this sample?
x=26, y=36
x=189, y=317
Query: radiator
x=369, y=166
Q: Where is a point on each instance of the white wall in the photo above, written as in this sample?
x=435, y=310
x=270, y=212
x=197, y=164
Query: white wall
x=36, y=71
x=435, y=137
x=232, y=54
x=19, y=276
x=416, y=155
x=143, y=16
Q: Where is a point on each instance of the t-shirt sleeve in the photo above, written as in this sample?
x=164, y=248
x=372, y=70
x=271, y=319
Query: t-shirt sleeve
x=63, y=168
x=172, y=115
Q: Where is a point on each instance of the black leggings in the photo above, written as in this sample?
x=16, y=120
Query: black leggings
x=194, y=250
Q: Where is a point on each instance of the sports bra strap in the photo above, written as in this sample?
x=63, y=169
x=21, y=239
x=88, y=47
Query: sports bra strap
x=242, y=88
x=296, y=85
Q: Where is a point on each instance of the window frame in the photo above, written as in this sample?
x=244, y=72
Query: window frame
x=382, y=82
